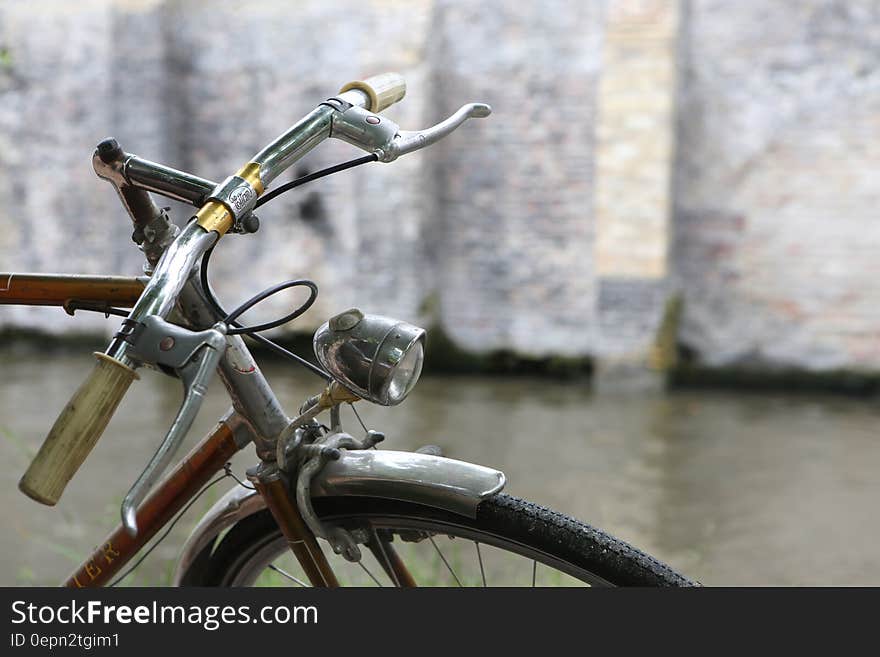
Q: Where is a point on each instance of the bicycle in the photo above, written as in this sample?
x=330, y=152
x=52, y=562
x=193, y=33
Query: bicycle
x=313, y=482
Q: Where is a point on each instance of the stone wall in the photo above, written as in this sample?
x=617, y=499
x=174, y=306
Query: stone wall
x=639, y=149
x=777, y=227
x=634, y=154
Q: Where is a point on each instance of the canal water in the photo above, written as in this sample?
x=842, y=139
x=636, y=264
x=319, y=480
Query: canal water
x=729, y=488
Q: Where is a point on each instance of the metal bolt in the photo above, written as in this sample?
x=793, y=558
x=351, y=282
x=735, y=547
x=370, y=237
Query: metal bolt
x=250, y=223
x=109, y=150
x=347, y=320
x=331, y=453
x=167, y=343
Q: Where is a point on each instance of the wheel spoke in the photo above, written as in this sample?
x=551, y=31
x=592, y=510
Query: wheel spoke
x=272, y=566
x=367, y=571
x=448, y=567
x=480, y=559
x=390, y=561
x=388, y=568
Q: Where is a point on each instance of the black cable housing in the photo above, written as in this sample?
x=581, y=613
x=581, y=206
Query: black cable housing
x=253, y=331
x=265, y=198
x=268, y=292
x=236, y=328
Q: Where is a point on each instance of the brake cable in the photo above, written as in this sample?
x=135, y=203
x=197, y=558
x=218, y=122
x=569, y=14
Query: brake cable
x=265, y=198
x=253, y=331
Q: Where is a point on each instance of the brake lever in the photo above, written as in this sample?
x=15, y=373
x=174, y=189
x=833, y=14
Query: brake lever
x=383, y=137
x=193, y=356
x=408, y=141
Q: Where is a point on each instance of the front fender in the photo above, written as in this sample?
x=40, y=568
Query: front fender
x=435, y=481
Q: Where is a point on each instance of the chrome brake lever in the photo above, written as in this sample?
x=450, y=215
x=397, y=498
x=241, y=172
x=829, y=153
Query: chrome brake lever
x=194, y=356
x=408, y=141
x=378, y=134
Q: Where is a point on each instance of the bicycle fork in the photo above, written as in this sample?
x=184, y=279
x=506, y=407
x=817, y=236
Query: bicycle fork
x=269, y=482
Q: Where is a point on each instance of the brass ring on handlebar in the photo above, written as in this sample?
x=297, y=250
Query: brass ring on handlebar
x=215, y=215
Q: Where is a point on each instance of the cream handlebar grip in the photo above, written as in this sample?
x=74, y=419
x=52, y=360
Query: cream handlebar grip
x=383, y=90
x=76, y=430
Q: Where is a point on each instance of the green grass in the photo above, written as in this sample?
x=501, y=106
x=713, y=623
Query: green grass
x=27, y=452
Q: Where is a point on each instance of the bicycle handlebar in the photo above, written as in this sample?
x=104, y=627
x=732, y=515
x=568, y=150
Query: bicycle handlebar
x=84, y=418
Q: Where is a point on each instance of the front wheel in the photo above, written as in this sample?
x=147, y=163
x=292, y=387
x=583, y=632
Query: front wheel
x=511, y=542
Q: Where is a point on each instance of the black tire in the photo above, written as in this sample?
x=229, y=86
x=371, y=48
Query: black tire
x=514, y=525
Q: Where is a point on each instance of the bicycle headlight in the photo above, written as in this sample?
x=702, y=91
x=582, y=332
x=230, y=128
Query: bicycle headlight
x=377, y=358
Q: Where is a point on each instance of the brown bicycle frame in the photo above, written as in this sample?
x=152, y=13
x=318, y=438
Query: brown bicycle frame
x=188, y=477
x=172, y=494
x=62, y=289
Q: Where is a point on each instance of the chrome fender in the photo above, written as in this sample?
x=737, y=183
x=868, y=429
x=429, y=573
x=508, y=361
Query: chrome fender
x=435, y=481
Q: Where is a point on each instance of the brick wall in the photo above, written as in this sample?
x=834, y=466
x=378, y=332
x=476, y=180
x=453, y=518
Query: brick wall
x=777, y=230
x=638, y=149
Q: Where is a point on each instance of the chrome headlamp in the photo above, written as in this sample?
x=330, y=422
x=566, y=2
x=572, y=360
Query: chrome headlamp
x=377, y=358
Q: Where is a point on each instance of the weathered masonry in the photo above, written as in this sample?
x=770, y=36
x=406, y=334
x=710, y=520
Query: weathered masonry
x=719, y=159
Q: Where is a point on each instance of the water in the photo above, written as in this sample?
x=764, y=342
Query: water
x=728, y=488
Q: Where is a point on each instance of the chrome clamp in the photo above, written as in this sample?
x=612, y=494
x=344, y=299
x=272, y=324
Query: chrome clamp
x=153, y=229
x=314, y=457
x=240, y=197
